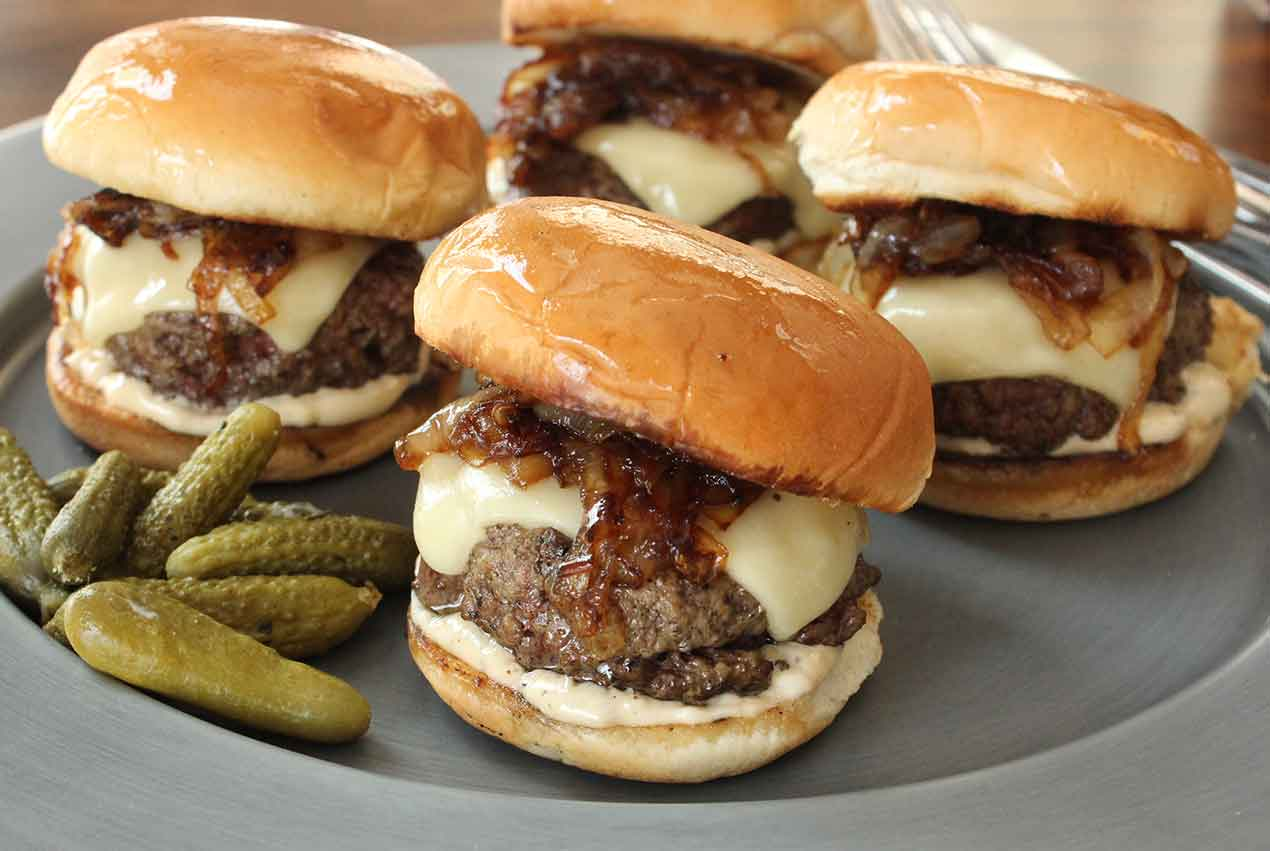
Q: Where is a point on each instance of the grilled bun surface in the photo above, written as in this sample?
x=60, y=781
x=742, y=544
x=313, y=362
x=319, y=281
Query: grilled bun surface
x=819, y=36
x=682, y=753
x=265, y=121
x=895, y=132
x=709, y=347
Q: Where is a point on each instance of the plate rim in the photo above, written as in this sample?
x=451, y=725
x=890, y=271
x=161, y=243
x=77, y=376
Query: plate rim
x=950, y=808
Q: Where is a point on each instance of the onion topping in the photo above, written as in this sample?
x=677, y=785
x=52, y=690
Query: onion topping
x=641, y=502
x=1085, y=282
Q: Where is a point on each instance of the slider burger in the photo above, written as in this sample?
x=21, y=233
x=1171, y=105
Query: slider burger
x=640, y=539
x=1016, y=230
x=267, y=184
x=678, y=107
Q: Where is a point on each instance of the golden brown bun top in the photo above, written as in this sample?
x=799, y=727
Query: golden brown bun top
x=708, y=346
x=894, y=132
x=820, y=36
x=272, y=122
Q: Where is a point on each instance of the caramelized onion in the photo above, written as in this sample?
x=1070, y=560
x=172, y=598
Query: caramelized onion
x=641, y=502
x=949, y=239
x=1063, y=270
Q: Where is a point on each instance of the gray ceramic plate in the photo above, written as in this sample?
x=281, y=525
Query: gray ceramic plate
x=1085, y=685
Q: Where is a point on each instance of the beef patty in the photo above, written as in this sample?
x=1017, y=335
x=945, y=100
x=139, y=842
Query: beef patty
x=1030, y=417
x=680, y=641
x=370, y=333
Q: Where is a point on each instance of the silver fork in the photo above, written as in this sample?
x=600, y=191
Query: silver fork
x=934, y=30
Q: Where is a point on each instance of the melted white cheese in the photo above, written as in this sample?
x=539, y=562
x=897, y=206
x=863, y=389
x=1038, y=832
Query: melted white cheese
x=328, y=406
x=457, y=502
x=681, y=176
x=1207, y=399
x=120, y=286
x=589, y=705
x=794, y=554
x=976, y=326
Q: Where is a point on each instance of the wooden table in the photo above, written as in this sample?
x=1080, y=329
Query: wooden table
x=1207, y=62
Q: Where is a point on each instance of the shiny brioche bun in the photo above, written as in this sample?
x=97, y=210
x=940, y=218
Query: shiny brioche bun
x=1078, y=486
x=266, y=121
x=819, y=36
x=681, y=753
x=303, y=453
x=712, y=348
x=895, y=132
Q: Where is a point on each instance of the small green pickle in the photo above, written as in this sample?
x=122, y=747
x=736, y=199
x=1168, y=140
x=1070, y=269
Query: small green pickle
x=355, y=548
x=207, y=488
x=66, y=483
x=88, y=535
x=299, y=616
x=161, y=645
x=27, y=508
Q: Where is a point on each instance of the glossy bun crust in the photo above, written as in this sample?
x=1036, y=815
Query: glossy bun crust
x=819, y=36
x=1079, y=486
x=710, y=347
x=303, y=453
x=684, y=753
x=266, y=121
x=894, y=132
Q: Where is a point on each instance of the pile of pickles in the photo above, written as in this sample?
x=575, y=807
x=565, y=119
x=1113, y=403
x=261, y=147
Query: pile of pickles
x=185, y=585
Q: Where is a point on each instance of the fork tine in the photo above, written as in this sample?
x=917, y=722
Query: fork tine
x=899, y=40
x=894, y=40
x=949, y=21
x=912, y=24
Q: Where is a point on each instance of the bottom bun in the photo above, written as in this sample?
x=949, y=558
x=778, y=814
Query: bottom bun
x=682, y=753
x=1078, y=486
x=303, y=453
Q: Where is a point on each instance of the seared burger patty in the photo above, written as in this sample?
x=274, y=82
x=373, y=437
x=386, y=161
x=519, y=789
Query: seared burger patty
x=1030, y=417
x=679, y=640
x=1024, y=416
x=369, y=334
x=1188, y=340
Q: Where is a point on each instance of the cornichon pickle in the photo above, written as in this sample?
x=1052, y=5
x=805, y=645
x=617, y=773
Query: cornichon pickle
x=207, y=488
x=162, y=645
x=26, y=510
x=299, y=616
x=56, y=626
x=89, y=533
x=355, y=548
x=66, y=483
x=255, y=511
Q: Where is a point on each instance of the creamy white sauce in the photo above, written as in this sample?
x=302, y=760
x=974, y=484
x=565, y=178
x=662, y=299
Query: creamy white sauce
x=1207, y=399
x=120, y=286
x=328, y=406
x=794, y=554
x=684, y=177
x=562, y=698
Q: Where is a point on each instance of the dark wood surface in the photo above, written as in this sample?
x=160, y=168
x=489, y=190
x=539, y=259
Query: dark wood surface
x=1205, y=61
